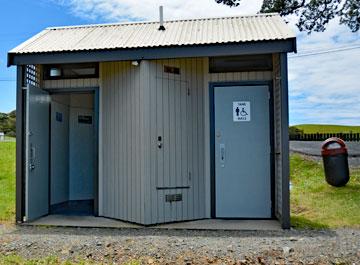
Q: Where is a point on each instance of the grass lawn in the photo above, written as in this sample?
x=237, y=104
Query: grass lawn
x=7, y=181
x=316, y=204
x=313, y=202
x=17, y=260
x=14, y=259
x=322, y=128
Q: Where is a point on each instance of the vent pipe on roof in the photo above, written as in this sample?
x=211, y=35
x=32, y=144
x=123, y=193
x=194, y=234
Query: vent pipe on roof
x=161, y=18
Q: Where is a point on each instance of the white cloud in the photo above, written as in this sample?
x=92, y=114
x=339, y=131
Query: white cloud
x=120, y=10
x=323, y=88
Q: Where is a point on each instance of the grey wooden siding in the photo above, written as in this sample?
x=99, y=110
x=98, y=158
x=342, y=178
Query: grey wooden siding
x=178, y=167
x=122, y=140
x=139, y=104
x=277, y=135
x=243, y=76
x=71, y=83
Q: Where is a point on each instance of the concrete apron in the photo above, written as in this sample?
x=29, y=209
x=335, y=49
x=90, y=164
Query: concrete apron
x=205, y=224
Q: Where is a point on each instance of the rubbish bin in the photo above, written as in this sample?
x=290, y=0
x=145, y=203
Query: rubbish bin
x=335, y=158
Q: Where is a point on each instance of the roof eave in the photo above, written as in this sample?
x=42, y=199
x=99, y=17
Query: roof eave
x=223, y=49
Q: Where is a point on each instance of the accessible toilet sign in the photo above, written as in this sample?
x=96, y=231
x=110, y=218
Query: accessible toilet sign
x=241, y=111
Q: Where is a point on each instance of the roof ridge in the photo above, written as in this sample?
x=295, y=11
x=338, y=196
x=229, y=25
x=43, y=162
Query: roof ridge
x=155, y=22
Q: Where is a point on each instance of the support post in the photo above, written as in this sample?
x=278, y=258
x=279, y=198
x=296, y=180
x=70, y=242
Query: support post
x=20, y=205
x=285, y=222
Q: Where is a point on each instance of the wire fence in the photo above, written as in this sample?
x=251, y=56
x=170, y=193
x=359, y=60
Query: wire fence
x=323, y=136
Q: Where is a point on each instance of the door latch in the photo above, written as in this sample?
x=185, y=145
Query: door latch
x=222, y=155
x=159, y=144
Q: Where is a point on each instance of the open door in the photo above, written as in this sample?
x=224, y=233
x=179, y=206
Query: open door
x=36, y=153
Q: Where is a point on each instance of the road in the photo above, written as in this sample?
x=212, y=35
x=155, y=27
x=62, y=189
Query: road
x=313, y=148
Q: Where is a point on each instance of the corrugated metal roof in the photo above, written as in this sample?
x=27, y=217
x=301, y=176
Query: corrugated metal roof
x=146, y=34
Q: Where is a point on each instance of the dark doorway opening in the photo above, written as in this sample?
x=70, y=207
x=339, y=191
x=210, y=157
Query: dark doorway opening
x=73, y=153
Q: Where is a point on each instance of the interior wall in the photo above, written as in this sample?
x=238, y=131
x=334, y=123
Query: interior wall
x=59, y=149
x=81, y=148
x=72, y=148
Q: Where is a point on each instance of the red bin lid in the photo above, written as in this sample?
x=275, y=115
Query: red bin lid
x=328, y=147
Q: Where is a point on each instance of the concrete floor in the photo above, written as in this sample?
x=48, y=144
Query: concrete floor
x=206, y=224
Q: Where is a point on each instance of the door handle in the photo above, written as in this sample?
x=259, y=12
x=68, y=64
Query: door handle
x=222, y=155
x=32, y=157
x=32, y=153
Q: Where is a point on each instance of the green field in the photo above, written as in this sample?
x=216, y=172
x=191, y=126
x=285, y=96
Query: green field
x=327, y=128
x=7, y=181
x=314, y=203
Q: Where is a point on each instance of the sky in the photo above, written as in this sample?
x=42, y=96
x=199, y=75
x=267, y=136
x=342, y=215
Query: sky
x=323, y=75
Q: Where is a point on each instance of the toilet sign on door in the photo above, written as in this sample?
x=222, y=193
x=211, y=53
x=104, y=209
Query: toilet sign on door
x=241, y=111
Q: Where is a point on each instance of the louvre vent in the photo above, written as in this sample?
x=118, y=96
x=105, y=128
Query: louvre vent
x=171, y=70
x=173, y=197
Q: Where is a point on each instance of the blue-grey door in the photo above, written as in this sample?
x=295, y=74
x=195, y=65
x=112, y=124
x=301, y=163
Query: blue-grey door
x=242, y=152
x=37, y=153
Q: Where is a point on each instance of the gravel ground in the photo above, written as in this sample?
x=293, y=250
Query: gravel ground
x=313, y=148
x=151, y=246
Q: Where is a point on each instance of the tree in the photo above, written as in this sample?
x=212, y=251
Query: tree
x=314, y=15
x=8, y=123
x=294, y=131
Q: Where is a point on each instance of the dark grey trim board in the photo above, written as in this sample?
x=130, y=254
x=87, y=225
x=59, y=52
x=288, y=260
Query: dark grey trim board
x=49, y=151
x=272, y=143
x=212, y=150
x=285, y=142
x=96, y=174
x=212, y=85
x=77, y=90
x=259, y=47
x=173, y=188
x=20, y=174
